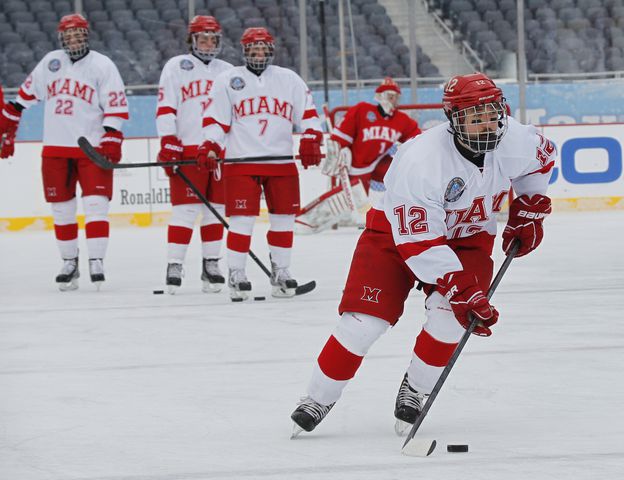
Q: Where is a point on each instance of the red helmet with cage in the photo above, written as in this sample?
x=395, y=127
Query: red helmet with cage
x=73, y=34
x=475, y=94
x=258, y=48
x=204, y=37
x=387, y=95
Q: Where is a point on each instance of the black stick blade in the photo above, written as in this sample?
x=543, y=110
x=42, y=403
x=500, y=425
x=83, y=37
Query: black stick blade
x=305, y=288
x=95, y=156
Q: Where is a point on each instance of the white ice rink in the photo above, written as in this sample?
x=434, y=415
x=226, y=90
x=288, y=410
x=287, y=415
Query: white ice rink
x=127, y=385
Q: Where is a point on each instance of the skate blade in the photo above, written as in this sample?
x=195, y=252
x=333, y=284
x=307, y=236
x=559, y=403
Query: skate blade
x=279, y=292
x=296, y=431
x=211, y=287
x=69, y=286
x=401, y=428
x=172, y=289
x=239, y=295
x=419, y=447
x=97, y=285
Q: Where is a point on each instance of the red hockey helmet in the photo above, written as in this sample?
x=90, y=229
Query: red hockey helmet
x=387, y=94
x=73, y=34
x=204, y=37
x=475, y=94
x=258, y=48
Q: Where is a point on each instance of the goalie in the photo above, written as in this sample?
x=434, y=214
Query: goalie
x=363, y=145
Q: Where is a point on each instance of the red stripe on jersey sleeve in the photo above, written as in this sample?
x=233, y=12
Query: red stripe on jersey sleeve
x=123, y=115
x=545, y=169
x=311, y=113
x=24, y=95
x=411, y=249
x=212, y=121
x=166, y=111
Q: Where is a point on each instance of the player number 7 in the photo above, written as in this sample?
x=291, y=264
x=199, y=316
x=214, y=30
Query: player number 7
x=263, y=125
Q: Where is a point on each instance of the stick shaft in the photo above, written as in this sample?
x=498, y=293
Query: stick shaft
x=460, y=345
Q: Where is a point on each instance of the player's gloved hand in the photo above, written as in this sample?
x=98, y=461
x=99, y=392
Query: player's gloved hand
x=465, y=296
x=9, y=121
x=310, y=148
x=526, y=215
x=207, y=155
x=171, y=150
x=330, y=165
x=110, y=145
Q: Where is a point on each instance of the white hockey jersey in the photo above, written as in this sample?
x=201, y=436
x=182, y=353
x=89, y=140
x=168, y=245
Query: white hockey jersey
x=80, y=98
x=254, y=115
x=435, y=196
x=185, y=83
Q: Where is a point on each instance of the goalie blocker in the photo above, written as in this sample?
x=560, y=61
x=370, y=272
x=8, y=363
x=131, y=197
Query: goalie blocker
x=332, y=208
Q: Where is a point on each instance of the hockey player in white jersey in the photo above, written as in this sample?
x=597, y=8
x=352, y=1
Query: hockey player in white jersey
x=185, y=84
x=83, y=95
x=436, y=225
x=252, y=112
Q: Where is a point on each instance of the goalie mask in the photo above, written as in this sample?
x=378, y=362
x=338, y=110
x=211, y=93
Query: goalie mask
x=73, y=35
x=258, y=48
x=477, y=110
x=204, y=37
x=387, y=95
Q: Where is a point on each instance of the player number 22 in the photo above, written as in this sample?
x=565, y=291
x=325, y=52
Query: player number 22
x=64, y=107
x=411, y=221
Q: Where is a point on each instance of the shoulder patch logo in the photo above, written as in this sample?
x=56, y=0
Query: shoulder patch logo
x=54, y=65
x=371, y=294
x=371, y=117
x=237, y=83
x=454, y=190
x=186, y=64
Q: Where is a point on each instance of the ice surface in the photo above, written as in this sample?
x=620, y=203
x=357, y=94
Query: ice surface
x=127, y=385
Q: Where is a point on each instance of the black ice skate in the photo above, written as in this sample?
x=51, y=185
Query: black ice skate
x=96, y=270
x=68, y=278
x=175, y=272
x=240, y=287
x=308, y=414
x=283, y=283
x=409, y=404
x=212, y=277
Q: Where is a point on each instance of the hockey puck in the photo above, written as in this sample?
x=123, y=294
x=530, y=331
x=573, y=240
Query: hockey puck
x=259, y=298
x=237, y=299
x=457, y=448
x=158, y=292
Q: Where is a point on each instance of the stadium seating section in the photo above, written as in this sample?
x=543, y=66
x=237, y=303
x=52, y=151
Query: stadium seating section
x=563, y=36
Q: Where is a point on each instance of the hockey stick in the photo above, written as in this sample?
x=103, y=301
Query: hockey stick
x=102, y=162
x=425, y=447
x=300, y=290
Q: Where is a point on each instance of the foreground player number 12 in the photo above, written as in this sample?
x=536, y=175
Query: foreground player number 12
x=413, y=221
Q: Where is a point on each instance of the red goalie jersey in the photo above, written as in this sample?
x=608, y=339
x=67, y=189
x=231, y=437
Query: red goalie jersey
x=369, y=132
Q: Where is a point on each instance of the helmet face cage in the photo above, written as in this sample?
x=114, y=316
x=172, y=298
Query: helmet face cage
x=462, y=121
x=251, y=58
x=206, y=55
x=389, y=100
x=78, y=49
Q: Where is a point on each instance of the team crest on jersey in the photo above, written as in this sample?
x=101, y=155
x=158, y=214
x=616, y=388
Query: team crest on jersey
x=371, y=117
x=237, y=83
x=186, y=64
x=54, y=65
x=454, y=190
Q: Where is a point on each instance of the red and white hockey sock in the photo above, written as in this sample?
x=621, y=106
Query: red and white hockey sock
x=239, y=240
x=96, y=224
x=280, y=238
x=342, y=355
x=66, y=227
x=180, y=230
x=212, y=232
x=435, y=344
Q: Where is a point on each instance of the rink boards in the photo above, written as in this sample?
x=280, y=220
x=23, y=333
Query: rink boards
x=588, y=176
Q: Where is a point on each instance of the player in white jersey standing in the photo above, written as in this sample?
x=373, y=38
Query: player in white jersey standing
x=185, y=83
x=84, y=96
x=437, y=225
x=252, y=112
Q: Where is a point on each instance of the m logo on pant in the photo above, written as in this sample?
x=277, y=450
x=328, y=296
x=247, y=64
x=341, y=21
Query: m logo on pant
x=371, y=294
x=241, y=204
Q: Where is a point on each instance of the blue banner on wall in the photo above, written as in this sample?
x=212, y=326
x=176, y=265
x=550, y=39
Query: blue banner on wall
x=560, y=103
